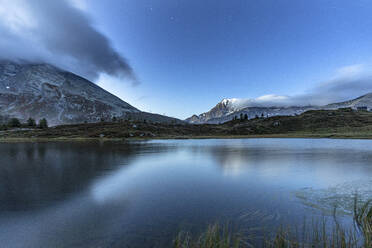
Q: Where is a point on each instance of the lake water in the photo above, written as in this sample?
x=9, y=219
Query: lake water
x=141, y=194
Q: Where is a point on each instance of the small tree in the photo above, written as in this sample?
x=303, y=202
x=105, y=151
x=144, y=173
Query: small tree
x=241, y=116
x=14, y=122
x=262, y=115
x=114, y=119
x=43, y=123
x=31, y=122
x=245, y=117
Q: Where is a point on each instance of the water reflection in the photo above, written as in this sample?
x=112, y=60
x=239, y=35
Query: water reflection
x=35, y=174
x=140, y=194
x=318, y=160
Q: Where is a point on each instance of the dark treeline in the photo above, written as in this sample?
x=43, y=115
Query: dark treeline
x=11, y=123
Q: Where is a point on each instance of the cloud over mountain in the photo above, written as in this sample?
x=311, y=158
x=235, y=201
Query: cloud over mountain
x=58, y=32
x=348, y=82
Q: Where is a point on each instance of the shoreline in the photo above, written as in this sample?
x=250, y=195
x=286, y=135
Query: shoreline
x=264, y=136
x=331, y=124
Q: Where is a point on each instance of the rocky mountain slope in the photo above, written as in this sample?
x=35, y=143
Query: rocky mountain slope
x=44, y=91
x=227, y=109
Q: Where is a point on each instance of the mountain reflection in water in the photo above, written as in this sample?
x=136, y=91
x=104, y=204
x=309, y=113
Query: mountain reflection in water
x=115, y=194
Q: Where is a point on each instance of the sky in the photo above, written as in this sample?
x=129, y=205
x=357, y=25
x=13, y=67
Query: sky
x=181, y=57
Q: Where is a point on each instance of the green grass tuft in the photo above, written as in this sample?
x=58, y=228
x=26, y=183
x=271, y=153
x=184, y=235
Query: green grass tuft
x=319, y=235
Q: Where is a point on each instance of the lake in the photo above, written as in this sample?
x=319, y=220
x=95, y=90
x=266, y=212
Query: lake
x=141, y=194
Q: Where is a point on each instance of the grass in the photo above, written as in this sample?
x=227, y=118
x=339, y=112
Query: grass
x=363, y=220
x=312, y=124
x=214, y=237
x=61, y=137
x=315, y=235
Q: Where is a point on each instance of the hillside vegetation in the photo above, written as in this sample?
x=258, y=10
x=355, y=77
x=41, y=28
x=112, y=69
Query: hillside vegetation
x=341, y=123
x=314, y=122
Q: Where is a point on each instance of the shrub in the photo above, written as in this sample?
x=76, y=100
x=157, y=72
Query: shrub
x=43, y=123
x=14, y=122
x=31, y=122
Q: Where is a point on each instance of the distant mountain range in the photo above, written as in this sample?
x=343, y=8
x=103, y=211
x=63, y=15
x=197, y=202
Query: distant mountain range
x=45, y=91
x=227, y=109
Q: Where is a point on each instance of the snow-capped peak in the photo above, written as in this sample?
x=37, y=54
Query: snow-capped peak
x=261, y=101
x=227, y=101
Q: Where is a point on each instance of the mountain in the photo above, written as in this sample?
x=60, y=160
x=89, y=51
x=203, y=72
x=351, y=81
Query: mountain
x=45, y=91
x=227, y=109
x=217, y=113
x=362, y=101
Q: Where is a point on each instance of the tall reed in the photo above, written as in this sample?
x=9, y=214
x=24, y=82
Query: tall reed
x=317, y=235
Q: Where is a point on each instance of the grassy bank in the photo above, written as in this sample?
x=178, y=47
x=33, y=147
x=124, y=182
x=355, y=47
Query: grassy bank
x=26, y=138
x=316, y=235
x=343, y=123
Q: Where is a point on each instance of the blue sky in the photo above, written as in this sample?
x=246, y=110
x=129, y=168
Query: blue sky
x=190, y=54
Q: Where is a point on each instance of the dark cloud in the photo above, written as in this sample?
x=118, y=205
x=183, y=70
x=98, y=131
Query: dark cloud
x=57, y=32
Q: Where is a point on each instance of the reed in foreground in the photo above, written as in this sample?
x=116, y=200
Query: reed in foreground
x=215, y=236
x=319, y=235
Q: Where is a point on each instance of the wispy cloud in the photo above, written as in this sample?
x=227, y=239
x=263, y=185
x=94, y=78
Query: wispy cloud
x=347, y=83
x=58, y=32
